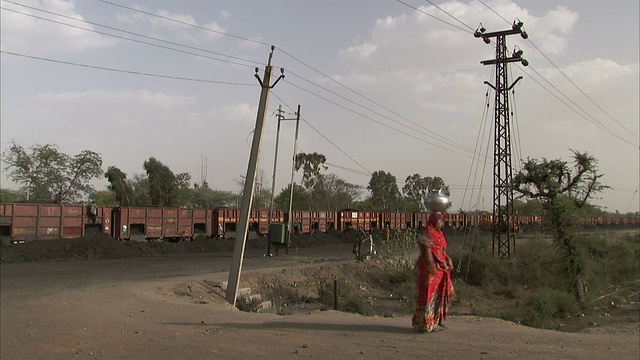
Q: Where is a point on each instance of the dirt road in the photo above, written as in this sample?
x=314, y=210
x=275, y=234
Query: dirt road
x=161, y=308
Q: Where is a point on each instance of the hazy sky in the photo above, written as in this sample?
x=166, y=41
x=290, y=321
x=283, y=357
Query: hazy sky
x=383, y=85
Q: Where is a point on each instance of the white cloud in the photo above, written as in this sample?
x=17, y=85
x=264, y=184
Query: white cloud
x=225, y=14
x=29, y=35
x=431, y=72
x=126, y=98
x=359, y=52
x=132, y=17
x=180, y=26
x=416, y=41
x=550, y=31
x=240, y=112
x=250, y=45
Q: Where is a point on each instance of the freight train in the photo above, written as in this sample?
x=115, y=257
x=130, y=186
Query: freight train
x=21, y=222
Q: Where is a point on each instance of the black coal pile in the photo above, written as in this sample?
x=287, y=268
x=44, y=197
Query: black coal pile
x=103, y=247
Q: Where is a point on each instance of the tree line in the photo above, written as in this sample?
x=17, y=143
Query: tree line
x=45, y=174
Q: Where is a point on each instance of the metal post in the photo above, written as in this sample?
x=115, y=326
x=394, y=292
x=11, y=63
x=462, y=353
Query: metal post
x=249, y=184
x=335, y=294
x=273, y=179
x=293, y=169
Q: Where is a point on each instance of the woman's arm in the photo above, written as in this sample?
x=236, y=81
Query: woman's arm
x=431, y=265
x=425, y=251
x=449, y=261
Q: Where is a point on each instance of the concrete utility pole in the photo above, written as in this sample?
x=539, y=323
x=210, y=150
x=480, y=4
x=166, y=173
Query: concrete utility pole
x=275, y=162
x=293, y=169
x=273, y=179
x=502, y=229
x=249, y=183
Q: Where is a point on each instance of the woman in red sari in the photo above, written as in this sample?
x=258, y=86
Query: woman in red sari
x=433, y=280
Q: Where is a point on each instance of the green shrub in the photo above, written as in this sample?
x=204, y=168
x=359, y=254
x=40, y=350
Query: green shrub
x=547, y=304
x=479, y=268
x=611, y=263
x=357, y=304
x=400, y=248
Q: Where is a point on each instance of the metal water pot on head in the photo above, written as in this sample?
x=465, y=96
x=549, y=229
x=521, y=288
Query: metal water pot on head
x=437, y=201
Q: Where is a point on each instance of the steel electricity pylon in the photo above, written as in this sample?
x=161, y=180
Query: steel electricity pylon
x=502, y=227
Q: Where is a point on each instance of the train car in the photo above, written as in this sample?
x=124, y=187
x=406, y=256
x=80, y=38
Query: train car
x=301, y=220
x=324, y=221
x=454, y=221
x=260, y=220
x=24, y=222
x=420, y=219
x=226, y=221
x=21, y=222
x=306, y=222
x=350, y=219
x=396, y=220
x=144, y=223
x=98, y=219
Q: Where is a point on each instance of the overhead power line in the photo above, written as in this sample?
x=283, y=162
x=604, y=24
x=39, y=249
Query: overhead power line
x=595, y=121
x=326, y=138
x=565, y=75
x=436, y=136
x=444, y=140
x=131, y=33
x=453, y=17
x=185, y=23
x=125, y=71
x=432, y=16
x=581, y=91
x=374, y=120
x=440, y=138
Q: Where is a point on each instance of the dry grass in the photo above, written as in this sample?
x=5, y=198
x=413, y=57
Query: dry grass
x=528, y=289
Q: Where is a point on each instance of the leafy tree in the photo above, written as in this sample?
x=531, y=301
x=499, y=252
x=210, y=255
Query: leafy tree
x=104, y=198
x=301, y=198
x=206, y=198
x=363, y=205
x=385, y=194
x=183, y=192
x=183, y=180
x=562, y=190
x=592, y=210
x=532, y=207
x=10, y=196
x=45, y=173
x=120, y=186
x=311, y=165
x=162, y=183
x=140, y=186
x=333, y=193
x=417, y=187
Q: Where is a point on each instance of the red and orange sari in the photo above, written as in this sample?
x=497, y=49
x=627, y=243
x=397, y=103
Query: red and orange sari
x=435, y=291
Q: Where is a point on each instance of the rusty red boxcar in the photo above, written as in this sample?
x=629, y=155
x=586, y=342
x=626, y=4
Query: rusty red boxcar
x=226, y=221
x=348, y=219
x=396, y=220
x=23, y=222
x=140, y=223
